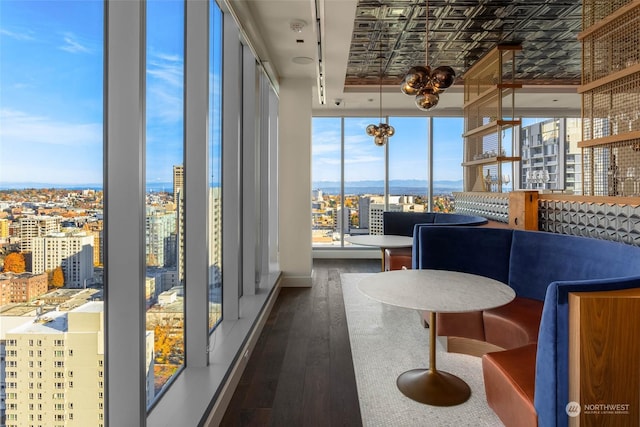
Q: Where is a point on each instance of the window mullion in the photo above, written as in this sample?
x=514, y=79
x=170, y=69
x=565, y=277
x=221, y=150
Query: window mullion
x=196, y=181
x=125, y=212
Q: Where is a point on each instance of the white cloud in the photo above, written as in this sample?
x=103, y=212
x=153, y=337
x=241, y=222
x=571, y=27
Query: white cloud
x=25, y=35
x=72, y=45
x=357, y=159
x=168, y=69
x=165, y=87
x=22, y=128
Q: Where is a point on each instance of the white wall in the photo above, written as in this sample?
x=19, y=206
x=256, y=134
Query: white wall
x=294, y=187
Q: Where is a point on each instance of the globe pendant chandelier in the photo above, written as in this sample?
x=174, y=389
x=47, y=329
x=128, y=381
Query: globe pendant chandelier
x=423, y=82
x=382, y=131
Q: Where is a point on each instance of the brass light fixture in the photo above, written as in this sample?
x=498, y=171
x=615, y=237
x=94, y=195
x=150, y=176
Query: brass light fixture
x=422, y=82
x=382, y=131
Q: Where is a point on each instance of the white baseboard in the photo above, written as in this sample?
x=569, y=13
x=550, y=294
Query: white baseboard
x=296, y=281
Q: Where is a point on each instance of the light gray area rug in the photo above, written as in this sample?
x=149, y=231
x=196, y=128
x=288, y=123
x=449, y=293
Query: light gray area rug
x=387, y=341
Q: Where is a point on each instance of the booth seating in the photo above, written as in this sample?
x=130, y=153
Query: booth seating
x=402, y=224
x=526, y=383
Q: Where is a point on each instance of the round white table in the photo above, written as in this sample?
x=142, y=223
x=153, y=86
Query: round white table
x=435, y=291
x=382, y=241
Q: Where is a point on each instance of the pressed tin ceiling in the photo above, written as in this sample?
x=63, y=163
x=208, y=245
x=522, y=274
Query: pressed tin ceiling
x=460, y=32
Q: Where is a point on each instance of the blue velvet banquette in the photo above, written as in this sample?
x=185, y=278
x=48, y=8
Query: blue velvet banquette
x=542, y=268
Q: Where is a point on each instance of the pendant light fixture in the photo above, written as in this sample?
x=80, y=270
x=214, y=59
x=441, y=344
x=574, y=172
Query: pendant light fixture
x=422, y=82
x=382, y=131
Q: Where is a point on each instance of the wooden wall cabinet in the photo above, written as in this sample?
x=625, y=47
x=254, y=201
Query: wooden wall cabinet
x=489, y=98
x=523, y=210
x=604, y=367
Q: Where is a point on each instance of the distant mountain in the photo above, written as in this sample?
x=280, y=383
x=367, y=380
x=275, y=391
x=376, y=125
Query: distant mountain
x=392, y=183
x=151, y=186
x=396, y=186
x=40, y=185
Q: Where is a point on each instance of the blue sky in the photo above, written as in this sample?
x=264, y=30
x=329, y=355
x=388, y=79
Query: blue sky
x=407, y=149
x=51, y=91
x=51, y=104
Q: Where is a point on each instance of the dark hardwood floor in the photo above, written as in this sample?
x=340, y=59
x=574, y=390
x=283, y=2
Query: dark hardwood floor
x=301, y=371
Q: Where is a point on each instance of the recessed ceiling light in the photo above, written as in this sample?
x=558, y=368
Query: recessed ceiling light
x=304, y=60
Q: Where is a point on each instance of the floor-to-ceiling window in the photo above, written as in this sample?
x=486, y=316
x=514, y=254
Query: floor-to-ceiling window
x=408, y=164
x=51, y=198
x=364, y=179
x=326, y=179
x=165, y=189
x=373, y=179
x=215, y=165
x=447, y=161
x=65, y=113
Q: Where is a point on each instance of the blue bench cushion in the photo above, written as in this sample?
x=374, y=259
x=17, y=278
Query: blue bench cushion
x=484, y=251
x=539, y=258
x=401, y=223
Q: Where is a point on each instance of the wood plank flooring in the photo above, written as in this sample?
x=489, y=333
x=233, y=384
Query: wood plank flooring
x=301, y=371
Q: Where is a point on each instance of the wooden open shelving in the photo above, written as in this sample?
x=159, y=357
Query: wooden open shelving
x=610, y=97
x=489, y=98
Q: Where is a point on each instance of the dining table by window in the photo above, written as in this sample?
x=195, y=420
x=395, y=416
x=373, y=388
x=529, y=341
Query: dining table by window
x=435, y=291
x=382, y=241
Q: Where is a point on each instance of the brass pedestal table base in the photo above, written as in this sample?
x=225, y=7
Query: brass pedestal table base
x=435, y=388
x=431, y=386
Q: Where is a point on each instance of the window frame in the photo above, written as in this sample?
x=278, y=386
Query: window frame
x=209, y=357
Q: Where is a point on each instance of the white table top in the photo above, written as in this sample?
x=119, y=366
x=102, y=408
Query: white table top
x=381, y=240
x=436, y=290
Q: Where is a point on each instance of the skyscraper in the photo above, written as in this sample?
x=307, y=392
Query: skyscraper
x=178, y=200
x=178, y=182
x=37, y=226
x=71, y=251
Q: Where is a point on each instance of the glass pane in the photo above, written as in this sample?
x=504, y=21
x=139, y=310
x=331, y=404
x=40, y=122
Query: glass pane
x=164, y=284
x=326, y=165
x=51, y=179
x=215, y=165
x=551, y=159
x=447, y=161
x=408, y=164
x=364, y=175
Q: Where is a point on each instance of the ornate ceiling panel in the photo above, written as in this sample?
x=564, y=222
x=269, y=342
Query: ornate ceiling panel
x=460, y=32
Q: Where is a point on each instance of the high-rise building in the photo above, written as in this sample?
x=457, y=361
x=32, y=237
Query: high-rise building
x=72, y=251
x=396, y=204
x=4, y=228
x=551, y=158
x=178, y=200
x=96, y=230
x=55, y=369
x=37, y=226
x=215, y=236
x=363, y=211
x=178, y=182
x=160, y=238
x=341, y=219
